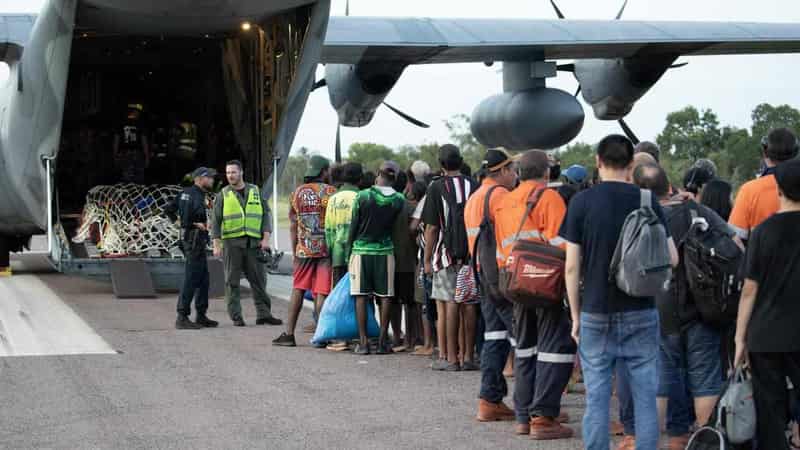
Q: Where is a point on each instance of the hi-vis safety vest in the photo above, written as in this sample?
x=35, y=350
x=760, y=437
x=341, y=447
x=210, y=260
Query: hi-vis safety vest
x=237, y=222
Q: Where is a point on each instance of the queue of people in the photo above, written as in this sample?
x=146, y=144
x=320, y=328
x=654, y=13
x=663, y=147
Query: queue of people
x=442, y=252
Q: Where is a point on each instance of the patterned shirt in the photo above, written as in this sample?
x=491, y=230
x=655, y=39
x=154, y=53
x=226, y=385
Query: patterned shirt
x=337, y=224
x=307, y=211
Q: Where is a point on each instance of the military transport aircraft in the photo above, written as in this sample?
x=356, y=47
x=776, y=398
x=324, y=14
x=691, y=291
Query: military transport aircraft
x=249, y=66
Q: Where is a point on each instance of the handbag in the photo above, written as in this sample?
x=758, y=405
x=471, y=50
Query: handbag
x=534, y=272
x=736, y=416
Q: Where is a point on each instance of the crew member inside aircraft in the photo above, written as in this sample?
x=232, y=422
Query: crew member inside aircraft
x=131, y=151
x=190, y=206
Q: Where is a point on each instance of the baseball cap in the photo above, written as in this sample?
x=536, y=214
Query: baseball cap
x=204, y=172
x=576, y=174
x=316, y=165
x=390, y=168
x=497, y=158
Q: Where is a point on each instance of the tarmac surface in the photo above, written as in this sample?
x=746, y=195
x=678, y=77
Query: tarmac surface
x=226, y=387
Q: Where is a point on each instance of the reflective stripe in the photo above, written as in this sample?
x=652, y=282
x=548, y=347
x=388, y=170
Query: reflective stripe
x=472, y=232
x=513, y=341
x=529, y=234
x=525, y=352
x=557, y=241
x=741, y=232
x=495, y=335
x=558, y=358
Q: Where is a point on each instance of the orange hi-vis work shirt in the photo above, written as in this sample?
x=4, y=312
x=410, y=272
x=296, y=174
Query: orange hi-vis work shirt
x=756, y=201
x=473, y=211
x=543, y=222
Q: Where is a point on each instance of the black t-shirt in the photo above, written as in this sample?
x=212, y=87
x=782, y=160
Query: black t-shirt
x=594, y=221
x=773, y=261
x=676, y=307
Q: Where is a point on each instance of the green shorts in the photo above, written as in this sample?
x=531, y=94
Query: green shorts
x=372, y=275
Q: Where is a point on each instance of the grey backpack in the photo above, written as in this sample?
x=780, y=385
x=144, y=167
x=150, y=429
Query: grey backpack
x=641, y=265
x=736, y=416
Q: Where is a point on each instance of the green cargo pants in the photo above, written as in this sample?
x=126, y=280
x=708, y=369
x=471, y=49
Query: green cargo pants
x=237, y=259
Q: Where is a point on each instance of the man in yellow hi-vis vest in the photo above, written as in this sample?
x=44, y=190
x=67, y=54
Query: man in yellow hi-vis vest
x=241, y=226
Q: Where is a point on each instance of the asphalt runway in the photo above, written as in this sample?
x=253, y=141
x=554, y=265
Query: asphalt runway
x=227, y=387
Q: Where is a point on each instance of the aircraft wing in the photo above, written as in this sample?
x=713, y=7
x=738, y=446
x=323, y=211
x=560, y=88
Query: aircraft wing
x=425, y=41
x=15, y=29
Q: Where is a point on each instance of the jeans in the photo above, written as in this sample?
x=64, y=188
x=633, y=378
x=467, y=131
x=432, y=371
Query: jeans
x=631, y=339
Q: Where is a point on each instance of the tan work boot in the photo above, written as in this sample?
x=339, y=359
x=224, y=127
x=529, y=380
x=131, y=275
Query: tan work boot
x=546, y=428
x=522, y=429
x=493, y=412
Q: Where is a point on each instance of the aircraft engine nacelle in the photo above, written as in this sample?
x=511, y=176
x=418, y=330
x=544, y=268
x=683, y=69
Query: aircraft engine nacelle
x=540, y=118
x=612, y=86
x=357, y=90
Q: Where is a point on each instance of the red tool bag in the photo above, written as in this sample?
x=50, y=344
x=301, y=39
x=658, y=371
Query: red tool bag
x=534, y=272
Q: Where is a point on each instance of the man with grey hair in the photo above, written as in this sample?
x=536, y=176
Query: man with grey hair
x=420, y=169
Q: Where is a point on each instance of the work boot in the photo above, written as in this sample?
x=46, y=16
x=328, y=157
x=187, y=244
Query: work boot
x=492, y=412
x=204, y=321
x=678, y=442
x=269, y=321
x=183, y=323
x=522, y=429
x=546, y=428
x=627, y=443
x=285, y=340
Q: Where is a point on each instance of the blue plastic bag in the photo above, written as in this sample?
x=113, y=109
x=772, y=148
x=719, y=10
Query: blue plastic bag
x=337, y=321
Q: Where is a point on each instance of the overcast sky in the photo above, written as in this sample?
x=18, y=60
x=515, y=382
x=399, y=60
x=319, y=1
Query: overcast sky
x=730, y=85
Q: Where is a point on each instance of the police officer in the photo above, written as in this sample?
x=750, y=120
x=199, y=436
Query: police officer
x=190, y=206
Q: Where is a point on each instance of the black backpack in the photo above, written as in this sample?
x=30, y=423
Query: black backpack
x=455, y=232
x=713, y=266
x=485, y=252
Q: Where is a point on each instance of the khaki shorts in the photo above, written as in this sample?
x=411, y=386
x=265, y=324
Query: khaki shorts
x=444, y=284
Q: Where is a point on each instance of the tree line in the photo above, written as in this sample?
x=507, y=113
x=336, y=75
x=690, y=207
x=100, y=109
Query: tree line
x=689, y=134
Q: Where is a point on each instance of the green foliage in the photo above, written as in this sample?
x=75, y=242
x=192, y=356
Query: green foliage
x=766, y=117
x=690, y=134
x=292, y=175
x=577, y=153
x=371, y=156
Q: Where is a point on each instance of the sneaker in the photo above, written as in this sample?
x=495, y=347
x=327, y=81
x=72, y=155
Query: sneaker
x=546, y=428
x=439, y=364
x=183, y=323
x=493, y=412
x=361, y=349
x=383, y=349
x=452, y=367
x=285, y=340
x=204, y=321
x=470, y=366
x=239, y=323
x=269, y=321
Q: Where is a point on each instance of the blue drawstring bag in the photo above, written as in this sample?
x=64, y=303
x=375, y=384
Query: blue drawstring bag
x=337, y=321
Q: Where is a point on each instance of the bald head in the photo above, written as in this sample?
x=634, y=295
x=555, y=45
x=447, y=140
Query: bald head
x=533, y=165
x=652, y=177
x=642, y=158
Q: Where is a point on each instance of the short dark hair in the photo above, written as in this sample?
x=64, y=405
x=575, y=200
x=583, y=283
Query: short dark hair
x=367, y=180
x=717, y=196
x=788, y=177
x=533, y=165
x=399, y=182
x=352, y=172
x=336, y=174
x=615, y=151
x=652, y=177
x=648, y=147
x=781, y=145
x=418, y=190
x=450, y=157
x=235, y=162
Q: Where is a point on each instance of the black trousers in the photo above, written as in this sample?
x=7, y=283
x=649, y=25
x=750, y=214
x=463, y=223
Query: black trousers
x=772, y=395
x=543, y=360
x=195, y=284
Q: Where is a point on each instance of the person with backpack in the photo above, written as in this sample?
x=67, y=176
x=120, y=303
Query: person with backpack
x=767, y=332
x=614, y=319
x=446, y=252
x=480, y=215
x=690, y=346
x=545, y=352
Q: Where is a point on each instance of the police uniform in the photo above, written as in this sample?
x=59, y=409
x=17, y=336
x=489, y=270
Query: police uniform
x=190, y=206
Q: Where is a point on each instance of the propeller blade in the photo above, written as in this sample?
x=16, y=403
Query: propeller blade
x=347, y=8
x=558, y=11
x=628, y=131
x=338, y=149
x=407, y=117
x=675, y=66
x=566, y=67
x=621, y=10
x=578, y=91
x=319, y=84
